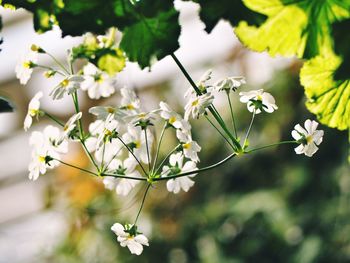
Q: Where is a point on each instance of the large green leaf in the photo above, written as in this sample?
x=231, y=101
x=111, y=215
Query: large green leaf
x=342, y=48
x=293, y=27
x=5, y=105
x=151, y=38
x=327, y=98
x=233, y=11
x=150, y=27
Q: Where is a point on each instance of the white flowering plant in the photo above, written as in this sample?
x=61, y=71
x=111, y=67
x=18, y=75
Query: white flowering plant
x=124, y=143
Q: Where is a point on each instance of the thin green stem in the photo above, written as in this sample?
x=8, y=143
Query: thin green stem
x=158, y=146
x=103, y=155
x=249, y=129
x=53, y=118
x=270, y=145
x=76, y=167
x=147, y=149
x=130, y=151
x=89, y=154
x=166, y=158
x=142, y=203
x=57, y=62
x=217, y=129
x=197, y=170
x=232, y=116
x=215, y=114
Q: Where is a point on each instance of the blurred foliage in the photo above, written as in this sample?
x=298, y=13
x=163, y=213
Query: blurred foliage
x=271, y=206
x=308, y=29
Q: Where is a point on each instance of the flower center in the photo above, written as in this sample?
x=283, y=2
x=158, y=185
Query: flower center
x=137, y=144
x=308, y=139
x=64, y=83
x=33, y=112
x=130, y=107
x=98, y=78
x=108, y=132
x=110, y=110
x=195, y=103
x=187, y=145
x=259, y=98
x=27, y=64
x=41, y=159
x=172, y=120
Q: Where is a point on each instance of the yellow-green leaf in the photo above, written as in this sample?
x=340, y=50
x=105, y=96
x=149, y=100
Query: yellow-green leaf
x=293, y=28
x=112, y=63
x=327, y=98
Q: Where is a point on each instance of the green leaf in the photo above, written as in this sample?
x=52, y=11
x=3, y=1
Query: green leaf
x=341, y=46
x=5, y=105
x=212, y=11
x=112, y=63
x=150, y=27
x=293, y=27
x=327, y=98
x=151, y=38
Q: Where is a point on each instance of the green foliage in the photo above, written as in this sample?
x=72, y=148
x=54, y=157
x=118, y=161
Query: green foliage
x=304, y=28
x=327, y=98
x=103, y=53
x=233, y=11
x=293, y=27
x=150, y=28
x=5, y=105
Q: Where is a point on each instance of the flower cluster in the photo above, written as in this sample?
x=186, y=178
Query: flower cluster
x=122, y=142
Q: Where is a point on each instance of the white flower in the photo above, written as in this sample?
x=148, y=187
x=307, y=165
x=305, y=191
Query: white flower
x=197, y=105
x=177, y=167
x=67, y=86
x=308, y=138
x=122, y=186
x=97, y=83
x=110, y=129
x=24, y=68
x=190, y=147
x=173, y=118
x=136, y=139
x=129, y=237
x=102, y=112
x=258, y=100
x=130, y=102
x=33, y=110
x=202, y=84
x=47, y=147
x=70, y=125
x=230, y=83
x=142, y=119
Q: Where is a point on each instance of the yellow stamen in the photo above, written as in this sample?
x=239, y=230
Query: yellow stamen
x=130, y=107
x=33, y=112
x=309, y=139
x=259, y=98
x=195, y=102
x=108, y=132
x=27, y=64
x=186, y=145
x=172, y=120
x=41, y=159
x=64, y=83
x=110, y=110
x=137, y=144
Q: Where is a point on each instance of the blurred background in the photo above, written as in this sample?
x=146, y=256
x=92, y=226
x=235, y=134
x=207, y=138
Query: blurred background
x=270, y=206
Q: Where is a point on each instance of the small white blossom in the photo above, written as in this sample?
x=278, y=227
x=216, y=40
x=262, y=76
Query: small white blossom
x=33, y=110
x=102, y=112
x=197, y=105
x=176, y=167
x=129, y=237
x=173, y=118
x=47, y=147
x=136, y=139
x=122, y=186
x=130, y=102
x=202, y=84
x=71, y=124
x=67, y=86
x=258, y=100
x=24, y=68
x=190, y=147
x=230, y=83
x=308, y=138
x=108, y=131
x=97, y=83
